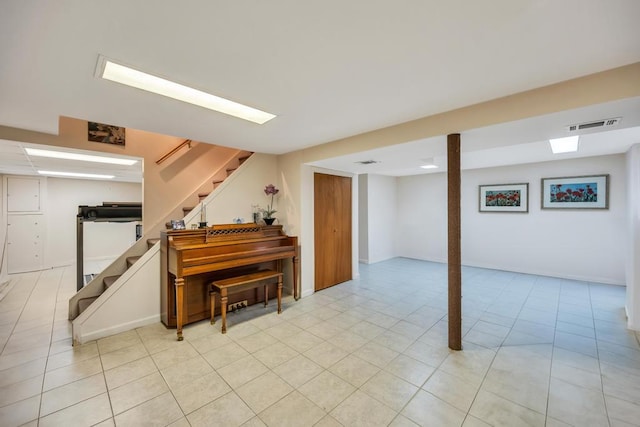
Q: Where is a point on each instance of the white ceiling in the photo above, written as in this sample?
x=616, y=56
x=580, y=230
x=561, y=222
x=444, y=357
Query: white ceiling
x=328, y=69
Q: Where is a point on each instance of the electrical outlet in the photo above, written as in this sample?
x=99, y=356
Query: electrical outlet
x=237, y=305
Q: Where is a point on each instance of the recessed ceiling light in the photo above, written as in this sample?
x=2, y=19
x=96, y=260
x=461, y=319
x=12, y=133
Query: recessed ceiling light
x=564, y=145
x=109, y=70
x=76, y=156
x=76, y=175
x=429, y=164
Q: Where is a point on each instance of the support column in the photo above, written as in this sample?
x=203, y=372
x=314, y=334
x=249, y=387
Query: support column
x=454, y=246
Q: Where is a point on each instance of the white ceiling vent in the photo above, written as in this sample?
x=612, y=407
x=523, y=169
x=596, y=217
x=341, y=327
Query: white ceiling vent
x=595, y=124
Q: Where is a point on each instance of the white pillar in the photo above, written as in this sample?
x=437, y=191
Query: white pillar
x=633, y=260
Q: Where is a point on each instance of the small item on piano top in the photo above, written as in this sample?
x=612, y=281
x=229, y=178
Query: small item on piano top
x=269, y=190
x=177, y=224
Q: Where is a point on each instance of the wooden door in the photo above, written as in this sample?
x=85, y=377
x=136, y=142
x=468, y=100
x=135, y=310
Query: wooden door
x=332, y=217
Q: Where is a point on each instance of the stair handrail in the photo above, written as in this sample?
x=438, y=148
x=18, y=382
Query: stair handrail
x=174, y=151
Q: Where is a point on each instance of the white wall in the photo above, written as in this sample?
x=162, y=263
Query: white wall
x=576, y=244
x=102, y=240
x=381, y=217
x=363, y=219
x=633, y=224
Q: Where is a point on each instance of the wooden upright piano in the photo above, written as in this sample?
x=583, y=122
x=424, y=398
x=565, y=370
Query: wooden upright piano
x=192, y=259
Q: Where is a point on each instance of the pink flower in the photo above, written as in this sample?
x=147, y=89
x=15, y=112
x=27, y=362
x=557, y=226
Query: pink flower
x=270, y=190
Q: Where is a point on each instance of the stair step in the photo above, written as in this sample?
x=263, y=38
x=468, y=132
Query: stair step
x=216, y=183
x=109, y=280
x=151, y=242
x=202, y=196
x=230, y=171
x=187, y=209
x=84, y=303
x=243, y=159
x=131, y=260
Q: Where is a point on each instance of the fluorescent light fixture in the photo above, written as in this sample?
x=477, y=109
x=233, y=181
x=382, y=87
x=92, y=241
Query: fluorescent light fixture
x=109, y=70
x=564, y=145
x=429, y=166
x=76, y=156
x=76, y=175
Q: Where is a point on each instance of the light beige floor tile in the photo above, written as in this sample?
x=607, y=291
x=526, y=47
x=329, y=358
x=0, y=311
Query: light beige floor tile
x=109, y=422
x=495, y=410
x=263, y=391
x=508, y=383
x=620, y=383
x=76, y=354
x=161, y=410
x=176, y=354
x=183, y=373
x=305, y=320
x=228, y=410
x=376, y=354
x=129, y=372
x=451, y=389
x=20, y=412
x=254, y=422
x=427, y=353
x=367, y=330
x=348, y=341
x=408, y=329
x=472, y=421
x=223, y=356
x=325, y=354
x=240, y=330
x=328, y=421
x=576, y=376
x=242, y=371
x=390, y=390
x=298, y=370
x=294, y=410
x=71, y=373
x=361, y=410
x=316, y=390
x=136, y=392
x=123, y=355
x=11, y=360
x=15, y=392
x=426, y=409
x=116, y=342
x=257, y=341
x=210, y=342
x=72, y=393
x=88, y=412
x=552, y=422
x=409, y=369
x=354, y=370
x=622, y=410
x=302, y=341
x=200, y=392
x=470, y=364
x=275, y=354
x=393, y=341
x=324, y=330
x=402, y=421
x=576, y=360
x=182, y=422
x=576, y=405
x=281, y=331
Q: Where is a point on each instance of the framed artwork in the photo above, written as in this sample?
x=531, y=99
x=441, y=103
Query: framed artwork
x=504, y=198
x=576, y=192
x=177, y=224
x=109, y=134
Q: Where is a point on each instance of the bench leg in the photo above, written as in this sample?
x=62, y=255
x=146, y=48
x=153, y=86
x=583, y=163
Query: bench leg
x=266, y=295
x=223, y=309
x=279, y=294
x=213, y=307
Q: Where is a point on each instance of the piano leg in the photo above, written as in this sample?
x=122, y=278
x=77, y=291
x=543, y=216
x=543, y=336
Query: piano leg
x=266, y=295
x=280, y=294
x=179, y=305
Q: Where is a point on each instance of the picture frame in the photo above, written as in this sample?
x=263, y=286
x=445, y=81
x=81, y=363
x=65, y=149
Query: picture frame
x=575, y=192
x=504, y=198
x=108, y=134
x=178, y=224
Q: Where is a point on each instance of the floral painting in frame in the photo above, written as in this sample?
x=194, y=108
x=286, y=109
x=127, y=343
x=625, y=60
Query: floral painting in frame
x=576, y=192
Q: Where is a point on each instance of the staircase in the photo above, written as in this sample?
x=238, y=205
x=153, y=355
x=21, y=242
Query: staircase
x=104, y=282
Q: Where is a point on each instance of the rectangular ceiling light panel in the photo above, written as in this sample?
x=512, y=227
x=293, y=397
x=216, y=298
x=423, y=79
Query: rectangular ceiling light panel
x=564, y=145
x=76, y=175
x=109, y=70
x=77, y=156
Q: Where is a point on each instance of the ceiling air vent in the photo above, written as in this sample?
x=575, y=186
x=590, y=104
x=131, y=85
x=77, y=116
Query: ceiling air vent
x=595, y=124
x=367, y=162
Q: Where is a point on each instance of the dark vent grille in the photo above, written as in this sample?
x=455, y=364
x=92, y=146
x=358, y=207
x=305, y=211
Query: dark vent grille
x=367, y=162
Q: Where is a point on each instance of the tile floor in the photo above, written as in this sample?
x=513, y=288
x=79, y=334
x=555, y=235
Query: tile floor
x=370, y=352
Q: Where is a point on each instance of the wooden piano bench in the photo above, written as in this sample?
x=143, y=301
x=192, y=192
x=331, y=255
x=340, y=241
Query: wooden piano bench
x=242, y=283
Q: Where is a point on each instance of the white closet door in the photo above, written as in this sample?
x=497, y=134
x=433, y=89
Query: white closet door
x=25, y=236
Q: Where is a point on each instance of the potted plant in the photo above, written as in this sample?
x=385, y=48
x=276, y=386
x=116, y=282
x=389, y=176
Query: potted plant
x=269, y=190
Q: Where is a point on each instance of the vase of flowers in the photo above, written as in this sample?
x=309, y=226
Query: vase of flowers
x=269, y=190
